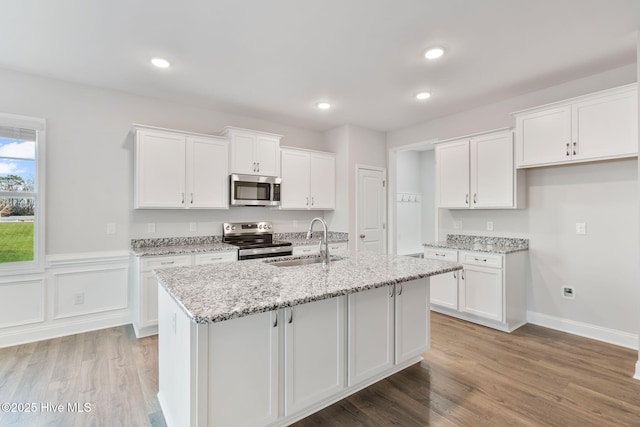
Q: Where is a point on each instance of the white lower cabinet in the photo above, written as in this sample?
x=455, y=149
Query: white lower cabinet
x=371, y=333
x=412, y=319
x=274, y=368
x=246, y=356
x=489, y=290
x=144, y=284
x=314, y=353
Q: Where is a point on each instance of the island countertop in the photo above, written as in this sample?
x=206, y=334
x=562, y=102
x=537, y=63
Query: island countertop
x=218, y=292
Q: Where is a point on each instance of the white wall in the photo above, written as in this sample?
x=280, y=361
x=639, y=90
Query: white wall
x=603, y=265
x=337, y=141
x=89, y=162
x=428, y=179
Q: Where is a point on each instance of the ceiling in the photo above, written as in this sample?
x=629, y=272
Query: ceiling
x=275, y=59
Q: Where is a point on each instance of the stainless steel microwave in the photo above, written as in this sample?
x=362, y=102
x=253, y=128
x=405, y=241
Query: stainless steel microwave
x=252, y=190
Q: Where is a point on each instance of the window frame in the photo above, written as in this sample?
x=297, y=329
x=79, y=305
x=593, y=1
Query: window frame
x=38, y=263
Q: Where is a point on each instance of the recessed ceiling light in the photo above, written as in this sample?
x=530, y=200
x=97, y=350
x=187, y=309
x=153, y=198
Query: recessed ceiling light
x=434, y=53
x=160, y=62
x=423, y=95
x=323, y=105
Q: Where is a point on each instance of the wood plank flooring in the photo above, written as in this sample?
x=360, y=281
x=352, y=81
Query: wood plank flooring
x=472, y=376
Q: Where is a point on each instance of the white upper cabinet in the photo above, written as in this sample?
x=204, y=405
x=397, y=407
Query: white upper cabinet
x=599, y=126
x=180, y=170
x=253, y=152
x=308, y=179
x=478, y=172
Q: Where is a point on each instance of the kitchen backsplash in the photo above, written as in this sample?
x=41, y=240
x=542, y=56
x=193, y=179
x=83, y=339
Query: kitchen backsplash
x=487, y=240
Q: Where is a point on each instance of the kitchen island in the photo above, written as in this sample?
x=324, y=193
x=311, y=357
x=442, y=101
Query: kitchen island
x=253, y=343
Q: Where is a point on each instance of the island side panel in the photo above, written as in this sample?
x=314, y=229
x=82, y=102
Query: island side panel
x=181, y=350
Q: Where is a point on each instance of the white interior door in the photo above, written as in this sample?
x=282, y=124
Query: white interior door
x=371, y=208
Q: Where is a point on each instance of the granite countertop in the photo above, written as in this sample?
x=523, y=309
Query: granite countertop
x=496, y=245
x=200, y=244
x=213, y=293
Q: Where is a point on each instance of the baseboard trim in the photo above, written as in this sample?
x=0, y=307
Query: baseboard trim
x=52, y=330
x=611, y=336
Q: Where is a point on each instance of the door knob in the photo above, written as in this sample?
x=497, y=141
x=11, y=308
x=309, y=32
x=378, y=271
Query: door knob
x=362, y=236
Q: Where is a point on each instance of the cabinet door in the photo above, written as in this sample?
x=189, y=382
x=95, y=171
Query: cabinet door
x=160, y=170
x=412, y=319
x=295, y=180
x=492, y=171
x=148, y=300
x=543, y=137
x=443, y=289
x=370, y=333
x=314, y=352
x=242, y=153
x=245, y=356
x=208, y=174
x=605, y=127
x=481, y=292
x=267, y=156
x=452, y=169
x=322, y=185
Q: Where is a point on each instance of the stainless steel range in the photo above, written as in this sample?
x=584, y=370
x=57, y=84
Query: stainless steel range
x=254, y=240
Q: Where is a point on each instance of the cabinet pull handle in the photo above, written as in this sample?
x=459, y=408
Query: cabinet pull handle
x=567, y=149
x=481, y=259
x=313, y=201
x=575, y=148
x=275, y=322
x=466, y=199
x=400, y=289
x=454, y=275
x=216, y=259
x=290, y=315
x=182, y=198
x=191, y=198
x=258, y=166
x=475, y=198
x=462, y=274
x=307, y=201
x=254, y=166
x=437, y=254
x=167, y=262
x=391, y=292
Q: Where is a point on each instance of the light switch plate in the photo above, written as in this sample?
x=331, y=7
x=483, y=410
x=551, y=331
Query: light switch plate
x=151, y=227
x=581, y=228
x=193, y=226
x=489, y=225
x=457, y=224
x=111, y=228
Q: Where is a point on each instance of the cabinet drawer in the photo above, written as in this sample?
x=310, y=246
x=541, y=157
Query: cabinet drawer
x=215, y=257
x=441, y=254
x=305, y=250
x=337, y=247
x=481, y=258
x=154, y=263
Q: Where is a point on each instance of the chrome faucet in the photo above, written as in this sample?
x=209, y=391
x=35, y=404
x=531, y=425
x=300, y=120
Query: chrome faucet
x=324, y=253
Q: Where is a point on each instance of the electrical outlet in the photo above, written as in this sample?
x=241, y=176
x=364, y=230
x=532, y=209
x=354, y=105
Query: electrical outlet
x=151, y=227
x=78, y=299
x=489, y=225
x=193, y=226
x=581, y=228
x=457, y=224
x=111, y=228
x=568, y=292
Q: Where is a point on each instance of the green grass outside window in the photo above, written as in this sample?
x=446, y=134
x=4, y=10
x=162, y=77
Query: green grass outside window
x=16, y=241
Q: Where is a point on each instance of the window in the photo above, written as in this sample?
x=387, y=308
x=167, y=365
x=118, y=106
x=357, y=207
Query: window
x=21, y=194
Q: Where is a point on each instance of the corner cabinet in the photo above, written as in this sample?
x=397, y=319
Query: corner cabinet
x=599, y=126
x=478, y=172
x=178, y=170
x=308, y=179
x=144, y=283
x=489, y=290
x=253, y=152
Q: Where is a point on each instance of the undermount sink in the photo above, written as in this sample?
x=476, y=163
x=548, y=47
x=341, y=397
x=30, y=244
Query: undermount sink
x=301, y=261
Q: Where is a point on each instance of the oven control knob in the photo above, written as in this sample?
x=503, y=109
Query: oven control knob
x=227, y=228
x=233, y=227
x=269, y=226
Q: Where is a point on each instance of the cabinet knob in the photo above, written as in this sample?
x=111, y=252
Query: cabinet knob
x=362, y=236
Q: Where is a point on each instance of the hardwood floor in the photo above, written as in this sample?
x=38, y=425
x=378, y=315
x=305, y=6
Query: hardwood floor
x=472, y=376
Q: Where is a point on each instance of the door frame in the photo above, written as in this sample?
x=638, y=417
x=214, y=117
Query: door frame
x=385, y=196
x=392, y=190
